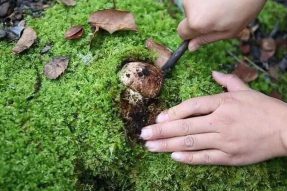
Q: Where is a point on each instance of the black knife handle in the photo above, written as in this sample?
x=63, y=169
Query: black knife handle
x=176, y=56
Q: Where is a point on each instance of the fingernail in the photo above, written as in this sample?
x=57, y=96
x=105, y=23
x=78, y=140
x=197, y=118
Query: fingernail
x=162, y=117
x=177, y=156
x=146, y=133
x=193, y=47
x=152, y=146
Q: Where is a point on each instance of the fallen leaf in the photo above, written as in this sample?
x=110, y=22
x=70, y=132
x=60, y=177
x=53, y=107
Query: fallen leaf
x=245, y=34
x=113, y=20
x=69, y=2
x=56, y=67
x=75, y=32
x=245, y=72
x=26, y=41
x=163, y=52
x=245, y=48
x=268, y=49
x=268, y=44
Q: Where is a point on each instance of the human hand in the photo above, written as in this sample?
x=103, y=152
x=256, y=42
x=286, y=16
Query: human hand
x=239, y=127
x=212, y=20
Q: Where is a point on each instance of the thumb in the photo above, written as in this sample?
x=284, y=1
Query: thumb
x=203, y=39
x=230, y=81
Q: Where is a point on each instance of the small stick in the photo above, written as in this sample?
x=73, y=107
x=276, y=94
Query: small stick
x=114, y=4
x=249, y=61
x=175, y=57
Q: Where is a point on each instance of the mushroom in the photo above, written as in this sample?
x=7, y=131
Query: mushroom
x=146, y=79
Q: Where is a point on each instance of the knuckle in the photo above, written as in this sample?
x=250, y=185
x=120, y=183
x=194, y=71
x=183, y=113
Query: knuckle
x=231, y=77
x=227, y=98
x=189, y=159
x=189, y=141
x=158, y=131
x=172, y=113
x=207, y=159
x=164, y=145
x=197, y=24
x=186, y=126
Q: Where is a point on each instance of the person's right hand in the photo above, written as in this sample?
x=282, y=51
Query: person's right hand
x=212, y=20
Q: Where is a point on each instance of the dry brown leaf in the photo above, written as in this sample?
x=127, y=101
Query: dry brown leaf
x=245, y=34
x=113, y=20
x=268, y=49
x=163, y=52
x=26, y=41
x=75, y=32
x=245, y=72
x=69, y=2
x=56, y=67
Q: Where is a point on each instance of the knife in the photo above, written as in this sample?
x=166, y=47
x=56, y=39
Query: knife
x=175, y=57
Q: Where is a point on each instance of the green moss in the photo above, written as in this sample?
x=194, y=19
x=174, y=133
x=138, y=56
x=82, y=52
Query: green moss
x=68, y=135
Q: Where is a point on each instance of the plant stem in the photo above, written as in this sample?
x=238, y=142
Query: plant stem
x=249, y=61
x=114, y=4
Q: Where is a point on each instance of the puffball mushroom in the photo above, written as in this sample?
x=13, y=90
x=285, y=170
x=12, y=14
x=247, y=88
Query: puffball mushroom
x=146, y=79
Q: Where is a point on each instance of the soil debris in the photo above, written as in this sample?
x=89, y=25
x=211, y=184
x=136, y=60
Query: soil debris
x=137, y=113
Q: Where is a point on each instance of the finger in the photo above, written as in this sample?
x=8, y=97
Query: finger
x=230, y=81
x=195, y=106
x=185, y=32
x=201, y=40
x=186, y=143
x=191, y=126
x=206, y=157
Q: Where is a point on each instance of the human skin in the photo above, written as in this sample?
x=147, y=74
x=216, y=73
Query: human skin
x=212, y=20
x=239, y=127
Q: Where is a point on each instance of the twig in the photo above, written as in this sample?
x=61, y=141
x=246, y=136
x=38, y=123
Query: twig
x=249, y=61
x=114, y=4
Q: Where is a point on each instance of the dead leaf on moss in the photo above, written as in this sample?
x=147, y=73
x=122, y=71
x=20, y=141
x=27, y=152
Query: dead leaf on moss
x=26, y=41
x=245, y=72
x=75, y=32
x=69, y=2
x=113, y=20
x=268, y=49
x=56, y=67
x=163, y=52
x=245, y=34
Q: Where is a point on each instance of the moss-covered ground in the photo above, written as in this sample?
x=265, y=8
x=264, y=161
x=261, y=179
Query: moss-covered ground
x=68, y=134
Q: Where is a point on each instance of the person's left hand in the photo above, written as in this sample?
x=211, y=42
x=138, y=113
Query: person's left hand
x=239, y=127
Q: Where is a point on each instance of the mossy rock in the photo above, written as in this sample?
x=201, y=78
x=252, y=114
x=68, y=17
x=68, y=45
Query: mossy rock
x=68, y=134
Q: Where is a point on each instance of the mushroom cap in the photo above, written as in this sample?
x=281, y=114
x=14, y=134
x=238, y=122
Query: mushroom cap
x=143, y=78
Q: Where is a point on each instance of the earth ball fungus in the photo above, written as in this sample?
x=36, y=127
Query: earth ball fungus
x=139, y=105
x=146, y=79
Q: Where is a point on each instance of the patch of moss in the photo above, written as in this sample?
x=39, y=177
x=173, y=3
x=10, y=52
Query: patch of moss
x=68, y=134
